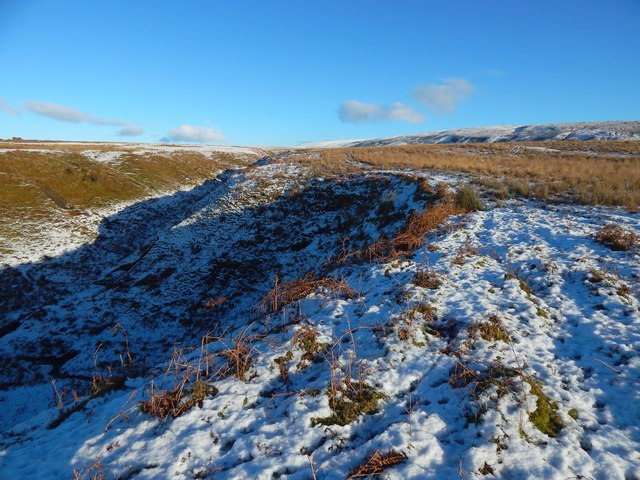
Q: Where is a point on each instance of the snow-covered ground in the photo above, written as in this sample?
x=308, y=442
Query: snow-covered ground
x=624, y=130
x=508, y=346
x=108, y=148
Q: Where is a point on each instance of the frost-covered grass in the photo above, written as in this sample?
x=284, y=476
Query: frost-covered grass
x=506, y=344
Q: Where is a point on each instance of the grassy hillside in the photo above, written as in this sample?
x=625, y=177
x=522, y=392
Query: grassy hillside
x=55, y=183
x=591, y=172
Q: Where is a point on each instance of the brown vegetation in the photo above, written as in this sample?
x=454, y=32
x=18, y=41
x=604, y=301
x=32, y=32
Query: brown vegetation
x=617, y=238
x=94, y=471
x=419, y=224
x=591, y=172
x=285, y=293
x=376, y=463
x=491, y=330
x=192, y=385
x=427, y=278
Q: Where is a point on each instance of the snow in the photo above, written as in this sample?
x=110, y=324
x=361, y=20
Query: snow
x=623, y=130
x=578, y=337
x=102, y=155
x=67, y=233
x=144, y=148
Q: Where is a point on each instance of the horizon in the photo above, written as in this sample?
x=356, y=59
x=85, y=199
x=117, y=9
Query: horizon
x=341, y=140
x=288, y=74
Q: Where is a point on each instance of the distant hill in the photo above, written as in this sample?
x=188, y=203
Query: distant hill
x=623, y=130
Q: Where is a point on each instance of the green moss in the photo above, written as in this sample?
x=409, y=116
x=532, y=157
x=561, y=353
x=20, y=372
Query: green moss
x=500, y=377
x=307, y=340
x=202, y=390
x=573, y=413
x=545, y=417
x=542, y=313
x=524, y=286
x=288, y=356
x=492, y=330
x=350, y=406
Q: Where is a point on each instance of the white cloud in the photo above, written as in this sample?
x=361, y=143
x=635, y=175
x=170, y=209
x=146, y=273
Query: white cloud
x=7, y=109
x=191, y=133
x=353, y=111
x=130, y=131
x=401, y=112
x=444, y=98
x=69, y=114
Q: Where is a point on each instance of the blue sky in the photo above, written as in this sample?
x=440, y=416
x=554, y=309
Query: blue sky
x=283, y=72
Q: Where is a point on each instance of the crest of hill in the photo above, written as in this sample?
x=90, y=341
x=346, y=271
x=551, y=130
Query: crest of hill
x=616, y=130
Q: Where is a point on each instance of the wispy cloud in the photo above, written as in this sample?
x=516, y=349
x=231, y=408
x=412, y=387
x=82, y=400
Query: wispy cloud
x=495, y=72
x=445, y=97
x=353, y=111
x=7, y=109
x=191, y=133
x=64, y=113
x=130, y=131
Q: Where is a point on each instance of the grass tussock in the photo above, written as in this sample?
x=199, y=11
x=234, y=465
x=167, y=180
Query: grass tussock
x=505, y=381
x=192, y=384
x=285, y=293
x=348, y=392
x=427, y=279
x=193, y=377
x=420, y=224
x=617, y=238
x=491, y=330
x=175, y=402
x=513, y=274
x=306, y=338
x=238, y=351
x=467, y=199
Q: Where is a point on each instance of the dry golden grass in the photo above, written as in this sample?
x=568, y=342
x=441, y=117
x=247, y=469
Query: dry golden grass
x=592, y=172
x=285, y=293
x=616, y=237
x=409, y=238
x=54, y=185
x=419, y=224
x=94, y=471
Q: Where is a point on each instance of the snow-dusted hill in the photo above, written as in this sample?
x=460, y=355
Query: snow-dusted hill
x=53, y=195
x=506, y=346
x=624, y=130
